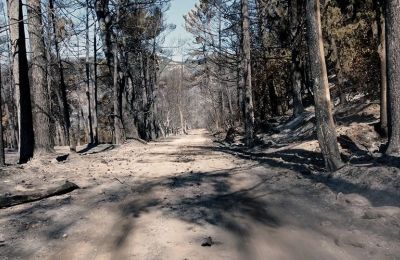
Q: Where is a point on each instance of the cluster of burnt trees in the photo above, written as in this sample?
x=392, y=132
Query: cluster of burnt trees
x=263, y=58
x=58, y=91
x=254, y=59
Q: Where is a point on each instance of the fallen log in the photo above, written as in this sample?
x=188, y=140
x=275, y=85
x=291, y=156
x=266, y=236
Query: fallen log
x=13, y=200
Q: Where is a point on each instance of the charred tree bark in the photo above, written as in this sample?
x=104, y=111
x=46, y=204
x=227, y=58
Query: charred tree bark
x=295, y=29
x=110, y=49
x=273, y=97
x=380, y=20
x=21, y=81
x=248, y=95
x=149, y=114
x=156, y=120
x=298, y=108
x=240, y=96
x=41, y=101
x=51, y=86
x=104, y=19
x=11, y=106
x=339, y=72
x=62, y=90
x=95, y=87
x=325, y=126
x=230, y=105
x=30, y=196
x=119, y=131
x=2, y=154
x=179, y=97
x=91, y=137
x=392, y=16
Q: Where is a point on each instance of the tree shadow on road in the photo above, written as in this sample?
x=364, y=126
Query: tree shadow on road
x=203, y=198
x=310, y=165
x=200, y=198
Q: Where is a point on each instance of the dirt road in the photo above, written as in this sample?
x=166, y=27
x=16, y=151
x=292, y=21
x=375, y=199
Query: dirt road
x=160, y=200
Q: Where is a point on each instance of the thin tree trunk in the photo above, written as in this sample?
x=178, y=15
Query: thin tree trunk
x=50, y=82
x=240, y=98
x=154, y=91
x=91, y=137
x=159, y=131
x=21, y=81
x=230, y=106
x=342, y=94
x=384, y=107
x=248, y=95
x=222, y=107
x=273, y=97
x=72, y=138
x=325, y=126
x=181, y=119
x=78, y=126
x=95, y=94
x=41, y=102
x=119, y=132
x=2, y=154
x=179, y=96
x=11, y=108
x=339, y=73
x=392, y=16
x=380, y=22
x=220, y=73
x=62, y=91
x=149, y=102
x=85, y=126
x=298, y=108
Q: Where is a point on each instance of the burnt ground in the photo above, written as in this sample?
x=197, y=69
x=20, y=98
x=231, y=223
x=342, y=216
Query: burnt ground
x=161, y=200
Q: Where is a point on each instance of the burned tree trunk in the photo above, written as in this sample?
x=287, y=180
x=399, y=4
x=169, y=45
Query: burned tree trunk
x=273, y=97
x=393, y=74
x=295, y=29
x=61, y=92
x=95, y=87
x=41, y=99
x=104, y=20
x=298, y=108
x=87, y=68
x=11, y=106
x=248, y=95
x=30, y=196
x=240, y=98
x=382, y=56
x=21, y=81
x=2, y=155
x=325, y=126
x=119, y=131
x=110, y=49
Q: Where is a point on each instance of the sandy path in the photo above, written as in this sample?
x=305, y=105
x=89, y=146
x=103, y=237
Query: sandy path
x=158, y=201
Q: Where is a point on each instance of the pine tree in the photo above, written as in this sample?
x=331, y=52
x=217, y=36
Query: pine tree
x=2, y=155
x=393, y=64
x=325, y=125
x=21, y=81
x=248, y=95
x=41, y=101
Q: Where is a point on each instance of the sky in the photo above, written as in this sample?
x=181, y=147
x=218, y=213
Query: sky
x=174, y=16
